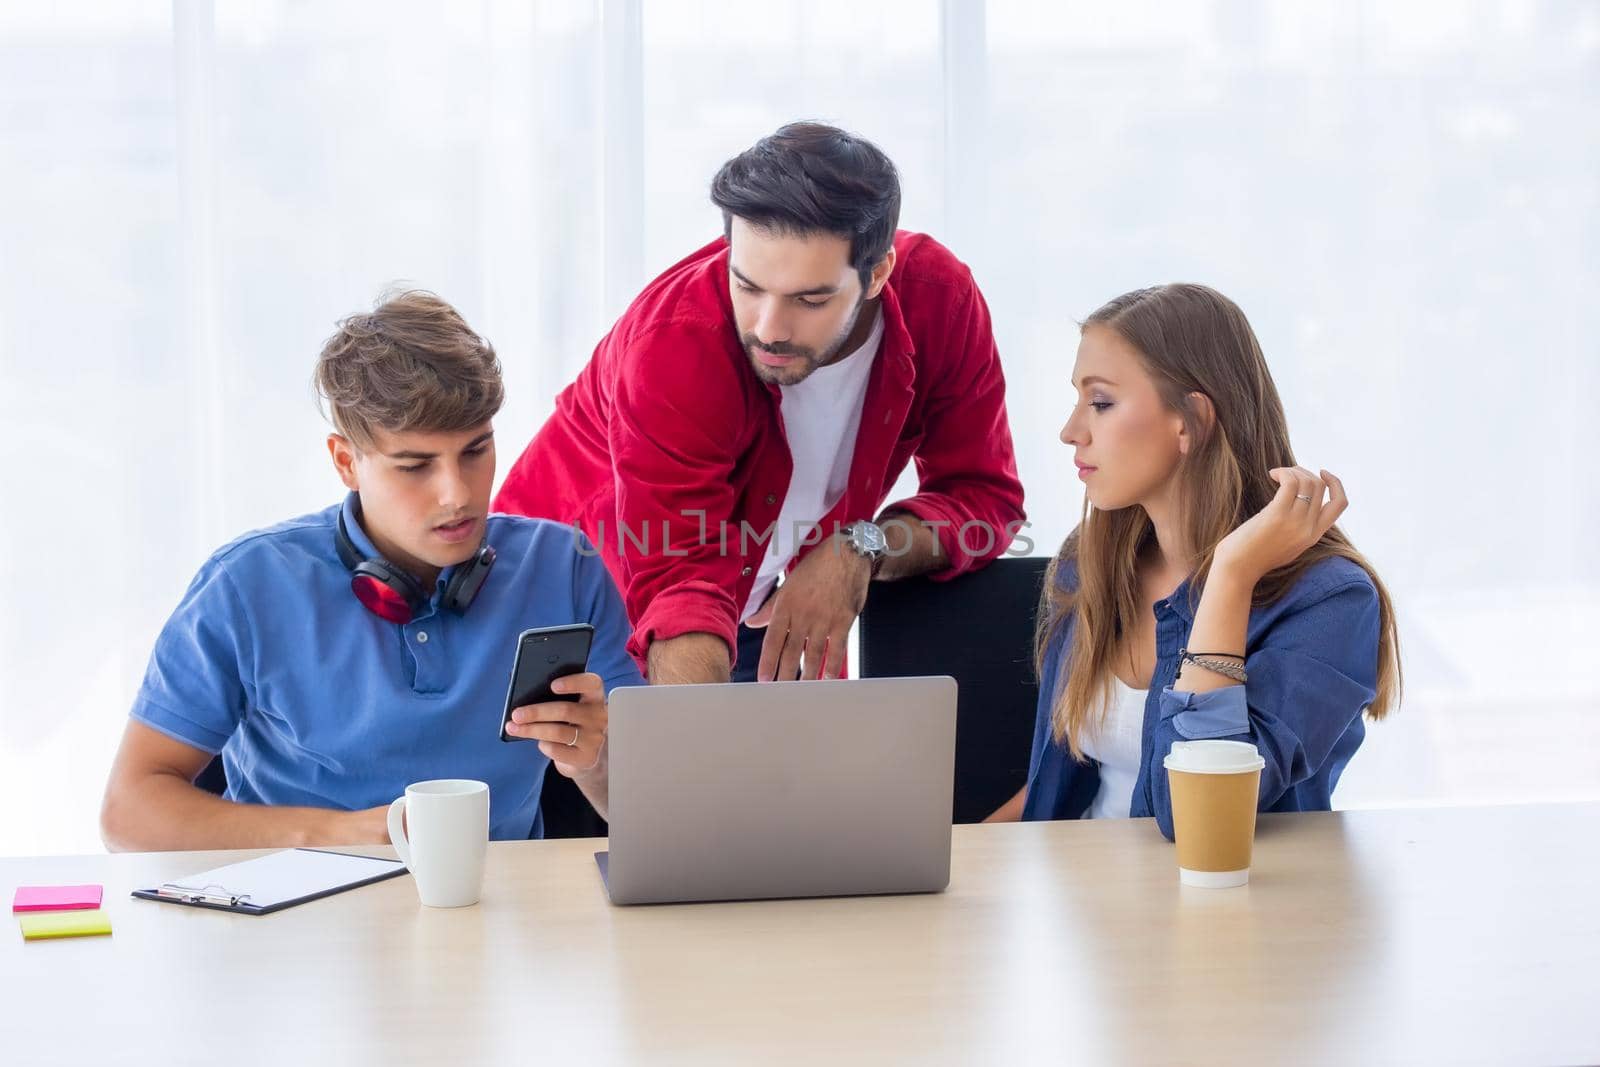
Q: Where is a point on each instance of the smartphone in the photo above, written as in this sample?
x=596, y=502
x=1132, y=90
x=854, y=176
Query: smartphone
x=543, y=655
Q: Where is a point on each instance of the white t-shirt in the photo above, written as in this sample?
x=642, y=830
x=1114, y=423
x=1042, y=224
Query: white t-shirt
x=820, y=419
x=1117, y=746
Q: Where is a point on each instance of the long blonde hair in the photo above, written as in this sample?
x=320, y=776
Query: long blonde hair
x=1192, y=340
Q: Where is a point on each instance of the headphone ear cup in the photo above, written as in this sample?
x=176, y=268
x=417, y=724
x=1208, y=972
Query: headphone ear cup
x=468, y=578
x=387, y=592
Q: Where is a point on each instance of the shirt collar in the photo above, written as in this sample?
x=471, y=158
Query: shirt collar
x=896, y=336
x=351, y=512
x=1178, y=603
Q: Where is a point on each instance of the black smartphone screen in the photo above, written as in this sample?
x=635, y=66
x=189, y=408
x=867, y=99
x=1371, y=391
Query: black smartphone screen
x=543, y=656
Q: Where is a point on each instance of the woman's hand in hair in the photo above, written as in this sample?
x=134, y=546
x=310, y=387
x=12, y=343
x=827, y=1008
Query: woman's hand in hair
x=1306, y=507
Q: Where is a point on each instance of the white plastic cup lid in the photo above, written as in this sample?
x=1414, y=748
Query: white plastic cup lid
x=1213, y=757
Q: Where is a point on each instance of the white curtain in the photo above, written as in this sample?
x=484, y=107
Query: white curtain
x=1401, y=196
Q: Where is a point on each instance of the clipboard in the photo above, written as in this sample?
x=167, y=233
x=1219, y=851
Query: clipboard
x=276, y=881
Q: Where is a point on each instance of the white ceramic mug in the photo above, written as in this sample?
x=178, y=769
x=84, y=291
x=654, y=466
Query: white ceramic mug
x=448, y=824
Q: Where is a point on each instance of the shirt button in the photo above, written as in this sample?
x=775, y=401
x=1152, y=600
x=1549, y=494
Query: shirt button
x=772, y=498
x=422, y=637
x=746, y=572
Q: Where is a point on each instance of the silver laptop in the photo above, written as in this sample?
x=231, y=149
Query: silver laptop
x=788, y=789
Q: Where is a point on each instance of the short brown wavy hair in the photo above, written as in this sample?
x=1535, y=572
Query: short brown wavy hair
x=411, y=363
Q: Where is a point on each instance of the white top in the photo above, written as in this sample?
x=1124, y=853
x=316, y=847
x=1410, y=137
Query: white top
x=820, y=419
x=1116, y=745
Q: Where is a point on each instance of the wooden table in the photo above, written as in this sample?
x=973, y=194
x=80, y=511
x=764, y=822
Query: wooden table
x=1439, y=935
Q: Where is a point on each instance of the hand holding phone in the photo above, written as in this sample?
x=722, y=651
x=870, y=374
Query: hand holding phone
x=570, y=726
x=543, y=655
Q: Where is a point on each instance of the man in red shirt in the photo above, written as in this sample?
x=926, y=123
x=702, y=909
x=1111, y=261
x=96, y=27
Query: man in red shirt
x=744, y=420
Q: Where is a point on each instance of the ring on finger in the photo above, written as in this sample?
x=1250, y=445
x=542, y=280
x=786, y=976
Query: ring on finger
x=576, y=730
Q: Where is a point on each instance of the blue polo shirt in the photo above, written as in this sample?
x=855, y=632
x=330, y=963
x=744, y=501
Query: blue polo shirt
x=313, y=700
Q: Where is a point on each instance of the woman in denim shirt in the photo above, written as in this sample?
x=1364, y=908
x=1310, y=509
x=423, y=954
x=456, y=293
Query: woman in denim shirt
x=1199, y=535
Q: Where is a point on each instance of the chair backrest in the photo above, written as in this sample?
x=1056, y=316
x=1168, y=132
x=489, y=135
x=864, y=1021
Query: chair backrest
x=213, y=779
x=979, y=630
x=567, y=812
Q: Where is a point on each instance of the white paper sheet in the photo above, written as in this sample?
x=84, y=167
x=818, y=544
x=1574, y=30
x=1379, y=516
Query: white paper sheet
x=288, y=875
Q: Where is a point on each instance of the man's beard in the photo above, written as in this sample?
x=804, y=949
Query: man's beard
x=809, y=360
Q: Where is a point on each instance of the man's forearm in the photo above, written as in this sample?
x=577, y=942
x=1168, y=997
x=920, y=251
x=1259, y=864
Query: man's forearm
x=689, y=659
x=913, y=547
x=164, y=813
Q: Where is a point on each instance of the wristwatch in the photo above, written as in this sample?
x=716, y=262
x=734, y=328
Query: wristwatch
x=866, y=539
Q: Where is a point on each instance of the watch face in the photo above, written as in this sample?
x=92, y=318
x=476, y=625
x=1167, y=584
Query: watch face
x=869, y=538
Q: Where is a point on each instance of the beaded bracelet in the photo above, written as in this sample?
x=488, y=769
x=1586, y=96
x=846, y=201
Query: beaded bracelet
x=1205, y=661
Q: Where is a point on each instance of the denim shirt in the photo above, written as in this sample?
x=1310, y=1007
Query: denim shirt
x=1312, y=660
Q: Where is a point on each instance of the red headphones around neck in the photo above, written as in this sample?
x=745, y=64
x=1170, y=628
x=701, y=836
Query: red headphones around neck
x=390, y=593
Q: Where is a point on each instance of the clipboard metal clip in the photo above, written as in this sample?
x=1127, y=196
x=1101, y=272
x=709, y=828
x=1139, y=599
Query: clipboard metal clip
x=205, y=894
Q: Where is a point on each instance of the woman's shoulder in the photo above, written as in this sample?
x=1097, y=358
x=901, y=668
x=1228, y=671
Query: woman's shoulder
x=1329, y=576
x=1332, y=594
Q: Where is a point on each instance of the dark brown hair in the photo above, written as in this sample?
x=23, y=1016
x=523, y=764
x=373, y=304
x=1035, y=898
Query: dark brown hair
x=809, y=178
x=411, y=363
x=1191, y=339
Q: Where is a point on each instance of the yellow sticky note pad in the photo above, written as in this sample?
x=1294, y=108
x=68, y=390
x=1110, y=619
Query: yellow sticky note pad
x=44, y=924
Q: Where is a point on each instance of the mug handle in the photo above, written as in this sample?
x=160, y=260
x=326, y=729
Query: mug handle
x=397, y=831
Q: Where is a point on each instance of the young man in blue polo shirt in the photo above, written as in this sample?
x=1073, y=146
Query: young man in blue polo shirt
x=335, y=658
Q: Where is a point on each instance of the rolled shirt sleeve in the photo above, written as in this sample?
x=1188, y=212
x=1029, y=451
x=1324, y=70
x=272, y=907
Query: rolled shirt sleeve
x=1218, y=713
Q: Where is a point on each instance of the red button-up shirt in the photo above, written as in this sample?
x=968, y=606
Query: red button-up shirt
x=669, y=453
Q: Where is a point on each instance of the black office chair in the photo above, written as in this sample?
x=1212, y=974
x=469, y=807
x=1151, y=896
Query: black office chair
x=979, y=630
x=213, y=779
x=567, y=812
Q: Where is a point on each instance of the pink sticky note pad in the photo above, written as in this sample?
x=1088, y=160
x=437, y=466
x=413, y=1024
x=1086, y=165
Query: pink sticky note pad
x=56, y=897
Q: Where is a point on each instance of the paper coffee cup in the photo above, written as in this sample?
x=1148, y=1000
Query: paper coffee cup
x=1214, y=787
